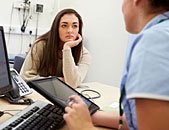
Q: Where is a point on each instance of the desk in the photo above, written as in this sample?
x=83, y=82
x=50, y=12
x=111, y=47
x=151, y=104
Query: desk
x=108, y=93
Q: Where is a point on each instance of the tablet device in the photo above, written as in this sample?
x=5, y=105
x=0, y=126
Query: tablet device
x=57, y=92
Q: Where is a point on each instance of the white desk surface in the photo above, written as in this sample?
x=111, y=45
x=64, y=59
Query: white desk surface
x=109, y=94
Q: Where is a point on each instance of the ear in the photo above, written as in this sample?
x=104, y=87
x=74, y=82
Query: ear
x=136, y=2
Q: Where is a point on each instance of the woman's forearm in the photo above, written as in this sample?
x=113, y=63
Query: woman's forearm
x=74, y=74
x=108, y=119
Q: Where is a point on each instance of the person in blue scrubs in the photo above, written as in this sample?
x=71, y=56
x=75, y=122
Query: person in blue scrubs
x=145, y=82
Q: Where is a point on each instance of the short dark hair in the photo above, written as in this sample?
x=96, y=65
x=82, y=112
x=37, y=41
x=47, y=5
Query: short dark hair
x=163, y=4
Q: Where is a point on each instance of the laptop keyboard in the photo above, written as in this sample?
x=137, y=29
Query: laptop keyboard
x=38, y=116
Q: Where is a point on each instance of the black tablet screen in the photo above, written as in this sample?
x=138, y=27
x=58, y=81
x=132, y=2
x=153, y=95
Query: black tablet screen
x=56, y=89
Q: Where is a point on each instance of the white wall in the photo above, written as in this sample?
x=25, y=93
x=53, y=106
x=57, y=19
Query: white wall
x=104, y=33
x=18, y=42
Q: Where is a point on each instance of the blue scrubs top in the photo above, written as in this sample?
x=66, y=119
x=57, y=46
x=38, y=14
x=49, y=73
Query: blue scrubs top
x=146, y=72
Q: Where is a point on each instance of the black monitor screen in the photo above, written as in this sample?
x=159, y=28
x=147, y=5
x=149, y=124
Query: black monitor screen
x=5, y=82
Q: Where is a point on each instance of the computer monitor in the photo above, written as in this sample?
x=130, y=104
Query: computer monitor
x=5, y=80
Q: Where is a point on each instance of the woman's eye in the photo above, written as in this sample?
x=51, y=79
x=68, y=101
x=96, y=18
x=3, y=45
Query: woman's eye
x=63, y=26
x=75, y=26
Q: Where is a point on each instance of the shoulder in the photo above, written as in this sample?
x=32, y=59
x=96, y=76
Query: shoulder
x=39, y=45
x=148, y=74
x=157, y=33
x=154, y=40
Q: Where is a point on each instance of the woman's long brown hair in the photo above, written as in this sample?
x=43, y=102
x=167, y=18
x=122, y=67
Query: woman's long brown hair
x=49, y=60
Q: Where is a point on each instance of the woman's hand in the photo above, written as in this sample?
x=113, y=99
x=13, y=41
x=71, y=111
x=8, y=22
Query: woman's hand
x=74, y=43
x=77, y=115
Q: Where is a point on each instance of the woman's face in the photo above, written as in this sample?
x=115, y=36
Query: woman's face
x=68, y=27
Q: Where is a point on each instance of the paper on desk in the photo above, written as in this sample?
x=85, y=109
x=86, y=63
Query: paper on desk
x=112, y=107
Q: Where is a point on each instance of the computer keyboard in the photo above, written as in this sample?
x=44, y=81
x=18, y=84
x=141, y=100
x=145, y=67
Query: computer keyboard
x=38, y=116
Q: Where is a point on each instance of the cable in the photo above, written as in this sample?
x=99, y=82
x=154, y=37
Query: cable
x=21, y=42
x=4, y=112
x=37, y=22
x=26, y=17
x=19, y=14
x=86, y=92
x=30, y=36
x=1, y=113
x=26, y=101
x=8, y=113
x=13, y=110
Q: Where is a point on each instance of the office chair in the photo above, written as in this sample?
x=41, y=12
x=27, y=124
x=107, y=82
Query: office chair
x=18, y=61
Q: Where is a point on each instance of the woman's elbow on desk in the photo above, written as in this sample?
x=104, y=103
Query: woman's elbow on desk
x=105, y=118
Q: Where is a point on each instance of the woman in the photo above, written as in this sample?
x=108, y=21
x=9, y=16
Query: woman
x=59, y=52
x=145, y=84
